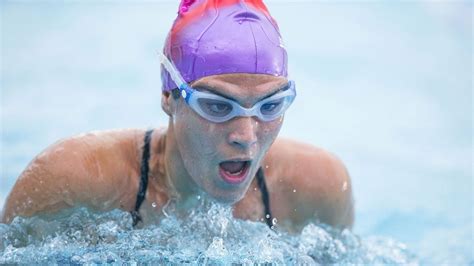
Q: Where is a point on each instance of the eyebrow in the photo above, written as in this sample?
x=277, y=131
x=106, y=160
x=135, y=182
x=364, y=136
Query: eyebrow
x=216, y=91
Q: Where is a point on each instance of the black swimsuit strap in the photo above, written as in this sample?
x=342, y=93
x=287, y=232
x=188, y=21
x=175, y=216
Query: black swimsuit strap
x=265, y=197
x=144, y=169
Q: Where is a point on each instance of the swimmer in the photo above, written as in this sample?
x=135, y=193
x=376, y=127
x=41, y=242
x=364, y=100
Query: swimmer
x=225, y=88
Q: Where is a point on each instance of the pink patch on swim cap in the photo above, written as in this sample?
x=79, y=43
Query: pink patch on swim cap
x=184, y=6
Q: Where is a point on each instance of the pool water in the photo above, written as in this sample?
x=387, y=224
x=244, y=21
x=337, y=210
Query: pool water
x=208, y=234
x=386, y=86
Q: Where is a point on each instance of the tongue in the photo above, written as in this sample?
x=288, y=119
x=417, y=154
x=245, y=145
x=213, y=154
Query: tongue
x=232, y=167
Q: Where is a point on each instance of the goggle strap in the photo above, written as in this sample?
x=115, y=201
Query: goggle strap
x=169, y=66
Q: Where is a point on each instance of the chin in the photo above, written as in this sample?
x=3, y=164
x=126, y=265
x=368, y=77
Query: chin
x=227, y=198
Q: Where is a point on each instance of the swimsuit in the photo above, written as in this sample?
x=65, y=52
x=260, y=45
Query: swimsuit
x=265, y=198
x=144, y=169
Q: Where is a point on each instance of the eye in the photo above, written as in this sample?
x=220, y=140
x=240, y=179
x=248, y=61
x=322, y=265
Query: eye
x=271, y=108
x=218, y=107
x=215, y=107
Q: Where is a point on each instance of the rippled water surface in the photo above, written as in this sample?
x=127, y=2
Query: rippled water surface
x=209, y=234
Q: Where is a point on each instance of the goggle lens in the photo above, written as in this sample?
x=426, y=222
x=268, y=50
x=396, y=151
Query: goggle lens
x=214, y=107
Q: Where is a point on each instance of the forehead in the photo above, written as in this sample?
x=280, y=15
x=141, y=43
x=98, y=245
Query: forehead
x=242, y=84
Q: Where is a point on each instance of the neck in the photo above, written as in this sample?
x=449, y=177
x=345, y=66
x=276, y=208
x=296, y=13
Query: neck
x=181, y=185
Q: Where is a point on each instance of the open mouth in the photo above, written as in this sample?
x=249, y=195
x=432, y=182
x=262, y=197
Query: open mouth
x=234, y=172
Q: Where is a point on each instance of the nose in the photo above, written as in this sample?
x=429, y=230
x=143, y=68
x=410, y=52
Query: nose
x=244, y=132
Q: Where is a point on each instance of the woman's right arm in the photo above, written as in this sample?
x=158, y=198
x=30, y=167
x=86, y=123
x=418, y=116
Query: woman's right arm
x=90, y=170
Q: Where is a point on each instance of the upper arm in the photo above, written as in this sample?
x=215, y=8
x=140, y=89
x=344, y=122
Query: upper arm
x=88, y=170
x=41, y=185
x=316, y=185
x=338, y=202
x=325, y=190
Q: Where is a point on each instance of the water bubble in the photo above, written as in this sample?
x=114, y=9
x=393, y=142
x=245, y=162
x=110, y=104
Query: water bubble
x=266, y=166
x=198, y=197
x=274, y=221
x=294, y=190
x=267, y=216
x=305, y=260
x=76, y=258
x=153, y=204
x=216, y=249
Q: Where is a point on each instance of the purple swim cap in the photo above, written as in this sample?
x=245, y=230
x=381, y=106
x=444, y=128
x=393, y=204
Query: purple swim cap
x=211, y=37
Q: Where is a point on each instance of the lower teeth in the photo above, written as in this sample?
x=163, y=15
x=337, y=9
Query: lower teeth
x=237, y=173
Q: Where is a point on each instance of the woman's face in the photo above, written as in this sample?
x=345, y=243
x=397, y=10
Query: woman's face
x=223, y=158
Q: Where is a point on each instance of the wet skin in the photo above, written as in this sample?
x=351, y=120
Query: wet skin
x=101, y=170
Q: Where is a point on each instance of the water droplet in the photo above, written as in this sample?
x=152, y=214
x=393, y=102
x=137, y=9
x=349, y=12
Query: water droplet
x=240, y=21
x=255, y=189
x=198, y=197
x=344, y=186
x=153, y=204
x=267, y=216
x=266, y=166
x=294, y=190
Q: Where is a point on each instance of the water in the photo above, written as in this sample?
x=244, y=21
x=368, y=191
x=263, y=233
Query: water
x=387, y=86
x=208, y=234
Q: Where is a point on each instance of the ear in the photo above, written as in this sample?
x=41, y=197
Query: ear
x=166, y=101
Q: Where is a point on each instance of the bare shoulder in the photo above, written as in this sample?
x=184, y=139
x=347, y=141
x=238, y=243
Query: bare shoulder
x=314, y=182
x=82, y=170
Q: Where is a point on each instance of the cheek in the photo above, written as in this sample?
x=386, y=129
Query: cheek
x=269, y=131
x=196, y=136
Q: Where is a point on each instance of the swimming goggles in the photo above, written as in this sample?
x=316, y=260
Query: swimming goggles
x=219, y=109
